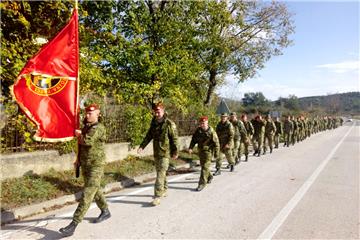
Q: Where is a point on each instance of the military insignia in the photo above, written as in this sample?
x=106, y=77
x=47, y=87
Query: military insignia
x=45, y=85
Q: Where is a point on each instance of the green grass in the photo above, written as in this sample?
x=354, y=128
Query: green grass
x=34, y=188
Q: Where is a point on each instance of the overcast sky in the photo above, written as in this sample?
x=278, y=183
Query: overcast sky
x=324, y=58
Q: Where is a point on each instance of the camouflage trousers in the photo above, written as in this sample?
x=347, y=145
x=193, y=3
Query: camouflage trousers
x=205, y=162
x=229, y=157
x=294, y=137
x=244, y=147
x=92, y=191
x=161, y=185
x=287, y=139
x=236, y=149
x=257, y=142
x=277, y=140
x=268, y=141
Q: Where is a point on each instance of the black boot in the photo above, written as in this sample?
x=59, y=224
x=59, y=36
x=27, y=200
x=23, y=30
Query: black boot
x=255, y=152
x=210, y=178
x=232, y=167
x=69, y=229
x=217, y=172
x=258, y=154
x=271, y=150
x=246, y=158
x=105, y=214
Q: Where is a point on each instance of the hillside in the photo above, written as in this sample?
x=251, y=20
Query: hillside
x=345, y=103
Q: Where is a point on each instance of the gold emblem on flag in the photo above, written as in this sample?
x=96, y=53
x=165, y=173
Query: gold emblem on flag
x=45, y=85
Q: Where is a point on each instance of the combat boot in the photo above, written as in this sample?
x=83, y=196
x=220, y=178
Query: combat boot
x=105, y=214
x=217, y=172
x=271, y=150
x=232, y=167
x=246, y=158
x=210, y=178
x=156, y=201
x=199, y=188
x=258, y=153
x=69, y=229
x=255, y=152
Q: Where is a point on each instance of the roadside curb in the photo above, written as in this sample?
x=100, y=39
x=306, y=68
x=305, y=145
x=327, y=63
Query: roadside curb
x=27, y=211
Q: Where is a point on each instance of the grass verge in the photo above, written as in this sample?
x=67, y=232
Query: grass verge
x=36, y=188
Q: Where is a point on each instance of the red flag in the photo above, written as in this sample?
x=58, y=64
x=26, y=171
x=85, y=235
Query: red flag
x=46, y=88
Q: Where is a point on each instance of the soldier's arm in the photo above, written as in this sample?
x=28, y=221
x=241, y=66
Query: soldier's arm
x=242, y=130
x=231, y=133
x=194, y=140
x=173, y=139
x=216, y=143
x=147, y=138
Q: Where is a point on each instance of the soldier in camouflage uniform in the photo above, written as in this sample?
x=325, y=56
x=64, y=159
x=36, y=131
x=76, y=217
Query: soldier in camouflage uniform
x=245, y=142
x=92, y=159
x=208, y=144
x=225, y=132
x=239, y=134
x=295, y=132
x=165, y=144
x=258, y=137
x=270, y=130
x=279, y=132
x=288, y=131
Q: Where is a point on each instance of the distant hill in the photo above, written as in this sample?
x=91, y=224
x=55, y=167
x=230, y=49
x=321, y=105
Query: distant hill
x=340, y=103
x=345, y=103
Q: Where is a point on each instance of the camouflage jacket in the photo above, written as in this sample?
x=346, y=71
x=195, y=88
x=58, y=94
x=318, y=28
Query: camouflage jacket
x=239, y=130
x=164, y=136
x=288, y=126
x=206, y=141
x=249, y=128
x=92, y=144
x=225, y=132
x=270, y=128
x=279, y=127
x=259, y=127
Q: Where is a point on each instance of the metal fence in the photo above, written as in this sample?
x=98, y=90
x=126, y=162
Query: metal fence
x=13, y=141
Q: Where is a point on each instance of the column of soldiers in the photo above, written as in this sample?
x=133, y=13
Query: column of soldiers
x=231, y=137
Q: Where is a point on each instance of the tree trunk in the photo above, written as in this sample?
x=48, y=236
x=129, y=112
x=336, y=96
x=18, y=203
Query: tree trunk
x=211, y=87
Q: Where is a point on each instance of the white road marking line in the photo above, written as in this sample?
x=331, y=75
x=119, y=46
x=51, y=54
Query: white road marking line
x=280, y=218
x=7, y=233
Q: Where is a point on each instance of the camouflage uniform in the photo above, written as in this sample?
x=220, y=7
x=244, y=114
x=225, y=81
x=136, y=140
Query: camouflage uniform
x=239, y=135
x=270, y=130
x=245, y=142
x=258, y=137
x=92, y=159
x=288, y=131
x=295, y=132
x=165, y=143
x=225, y=132
x=278, y=133
x=208, y=144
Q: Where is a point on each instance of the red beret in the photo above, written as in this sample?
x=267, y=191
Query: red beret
x=92, y=107
x=158, y=105
x=203, y=119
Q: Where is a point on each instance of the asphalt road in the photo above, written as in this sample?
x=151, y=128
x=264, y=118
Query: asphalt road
x=306, y=191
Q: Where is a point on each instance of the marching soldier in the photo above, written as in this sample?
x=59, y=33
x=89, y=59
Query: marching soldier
x=258, y=137
x=244, y=146
x=279, y=131
x=270, y=130
x=165, y=144
x=208, y=144
x=288, y=131
x=92, y=160
x=225, y=132
x=239, y=135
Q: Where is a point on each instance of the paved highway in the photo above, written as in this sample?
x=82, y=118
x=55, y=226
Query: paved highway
x=306, y=191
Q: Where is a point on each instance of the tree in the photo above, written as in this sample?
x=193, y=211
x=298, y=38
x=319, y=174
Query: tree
x=238, y=38
x=23, y=25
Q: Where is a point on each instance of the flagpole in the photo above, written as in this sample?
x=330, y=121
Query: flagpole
x=77, y=167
